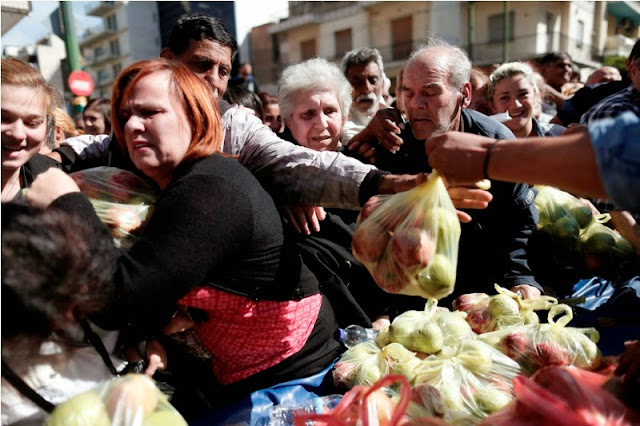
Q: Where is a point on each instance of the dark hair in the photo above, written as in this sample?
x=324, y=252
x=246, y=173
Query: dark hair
x=103, y=106
x=552, y=57
x=635, y=51
x=267, y=99
x=242, y=96
x=52, y=266
x=198, y=27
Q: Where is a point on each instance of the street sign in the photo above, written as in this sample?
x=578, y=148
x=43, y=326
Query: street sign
x=80, y=83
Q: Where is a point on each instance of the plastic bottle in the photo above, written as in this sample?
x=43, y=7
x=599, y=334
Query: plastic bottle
x=354, y=335
x=282, y=415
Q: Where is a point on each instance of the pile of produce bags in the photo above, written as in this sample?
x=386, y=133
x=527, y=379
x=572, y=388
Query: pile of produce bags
x=456, y=377
x=459, y=376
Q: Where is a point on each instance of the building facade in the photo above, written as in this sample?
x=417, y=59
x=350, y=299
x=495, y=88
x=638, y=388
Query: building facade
x=130, y=33
x=587, y=30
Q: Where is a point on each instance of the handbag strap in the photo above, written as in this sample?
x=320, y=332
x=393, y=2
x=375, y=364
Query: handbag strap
x=96, y=342
x=35, y=397
x=25, y=389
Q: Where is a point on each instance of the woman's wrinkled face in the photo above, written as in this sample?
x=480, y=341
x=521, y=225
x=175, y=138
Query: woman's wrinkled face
x=93, y=122
x=156, y=130
x=516, y=95
x=316, y=121
x=24, y=125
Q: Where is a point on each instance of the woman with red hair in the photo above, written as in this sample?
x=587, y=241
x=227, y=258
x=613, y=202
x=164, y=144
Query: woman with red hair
x=215, y=241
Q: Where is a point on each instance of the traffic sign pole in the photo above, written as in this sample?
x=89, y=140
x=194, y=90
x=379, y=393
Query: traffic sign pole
x=71, y=44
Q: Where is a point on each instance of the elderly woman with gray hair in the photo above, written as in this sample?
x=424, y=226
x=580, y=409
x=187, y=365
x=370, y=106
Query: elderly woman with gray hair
x=513, y=89
x=315, y=98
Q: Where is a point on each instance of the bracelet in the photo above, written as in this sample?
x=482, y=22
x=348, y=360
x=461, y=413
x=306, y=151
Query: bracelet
x=487, y=157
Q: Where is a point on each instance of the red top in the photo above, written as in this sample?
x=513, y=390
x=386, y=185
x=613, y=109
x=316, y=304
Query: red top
x=247, y=336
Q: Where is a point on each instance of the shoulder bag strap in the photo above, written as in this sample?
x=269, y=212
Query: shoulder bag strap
x=25, y=389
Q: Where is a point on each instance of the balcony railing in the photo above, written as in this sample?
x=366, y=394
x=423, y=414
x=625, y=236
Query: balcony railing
x=618, y=45
x=100, y=8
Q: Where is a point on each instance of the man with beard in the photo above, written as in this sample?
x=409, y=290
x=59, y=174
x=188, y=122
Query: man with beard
x=364, y=69
x=493, y=246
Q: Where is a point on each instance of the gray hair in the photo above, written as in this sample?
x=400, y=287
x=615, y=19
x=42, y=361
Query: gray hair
x=511, y=69
x=455, y=62
x=362, y=56
x=315, y=75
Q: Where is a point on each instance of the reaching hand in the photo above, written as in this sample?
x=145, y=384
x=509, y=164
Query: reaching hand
x=382, y=131
x=301, y=217
x=629, y=362
x=527, y=291
x=463, y=197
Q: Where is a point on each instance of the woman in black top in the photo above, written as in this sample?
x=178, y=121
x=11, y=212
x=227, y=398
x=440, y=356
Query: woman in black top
x=214, y=242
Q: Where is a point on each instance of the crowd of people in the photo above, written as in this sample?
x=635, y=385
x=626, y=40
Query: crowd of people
x=249, y=244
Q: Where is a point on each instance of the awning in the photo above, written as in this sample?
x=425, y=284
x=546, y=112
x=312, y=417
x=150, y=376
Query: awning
x=624, y=9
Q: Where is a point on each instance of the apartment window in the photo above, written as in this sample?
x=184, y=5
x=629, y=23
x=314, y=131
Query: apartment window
x=114, y=47
x=401, y=38
x=102, y=75
x=116, y=68
x=99, y=52
x=111, y=22
x=308, y=49
x=275, y=45
x=496, y=28
x=579, y=34
x=343, y=42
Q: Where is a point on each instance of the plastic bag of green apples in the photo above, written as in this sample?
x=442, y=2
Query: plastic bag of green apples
x=571, y=236
x=129, y=400
x=409, y=241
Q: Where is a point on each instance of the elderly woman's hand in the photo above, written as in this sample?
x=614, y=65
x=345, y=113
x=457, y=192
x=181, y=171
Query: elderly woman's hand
x=49, y=186
x=463, y=197
x=305, y=219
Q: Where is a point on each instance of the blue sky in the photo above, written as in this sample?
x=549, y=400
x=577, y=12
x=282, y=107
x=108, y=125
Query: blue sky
x=37, y=25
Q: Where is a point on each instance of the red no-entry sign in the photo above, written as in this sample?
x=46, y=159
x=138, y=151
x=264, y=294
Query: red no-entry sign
x=80, y=83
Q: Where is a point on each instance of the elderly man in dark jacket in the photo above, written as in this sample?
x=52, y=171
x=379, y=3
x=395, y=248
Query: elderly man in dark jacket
x=493, y=246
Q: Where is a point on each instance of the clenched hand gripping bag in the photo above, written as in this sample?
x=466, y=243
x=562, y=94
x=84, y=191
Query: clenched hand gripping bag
x=122, y=200
x=489, y=313
x=552, y=344
x=409, y=241
x=129, y=400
